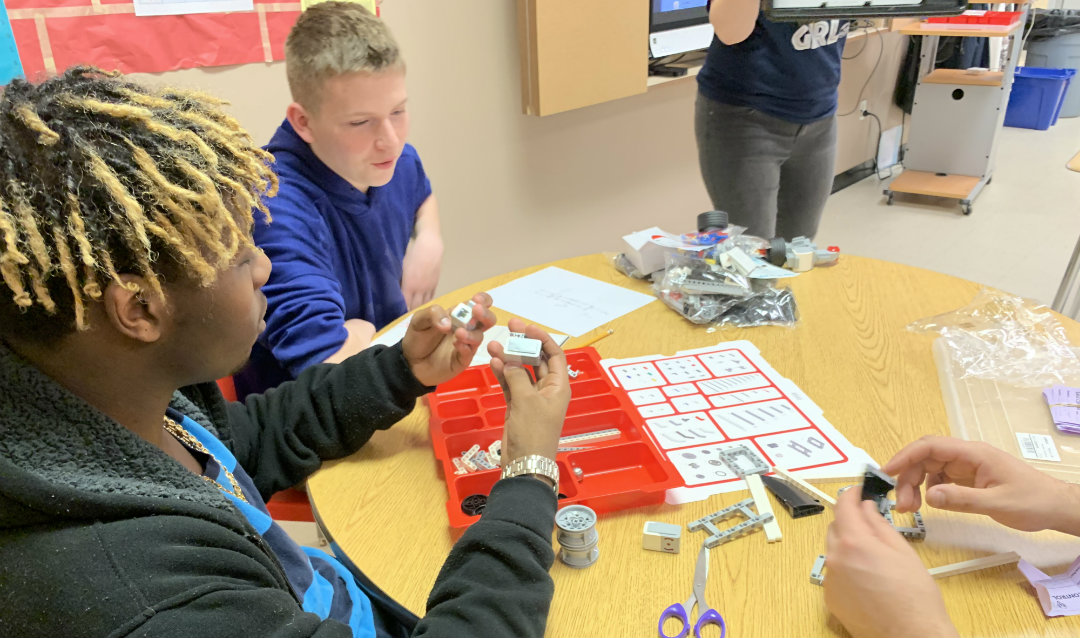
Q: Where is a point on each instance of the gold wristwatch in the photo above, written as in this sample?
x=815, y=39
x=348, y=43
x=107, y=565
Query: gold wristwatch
x=533, y=464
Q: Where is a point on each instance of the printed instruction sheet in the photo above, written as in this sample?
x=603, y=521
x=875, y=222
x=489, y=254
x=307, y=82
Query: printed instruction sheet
x=698, y=402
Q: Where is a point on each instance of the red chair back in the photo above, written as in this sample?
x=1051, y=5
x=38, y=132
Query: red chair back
x=228, y=388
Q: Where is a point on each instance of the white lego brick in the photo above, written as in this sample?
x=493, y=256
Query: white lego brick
x=521, y=349
x=761, y=500
x=661, y=537
x=817, y=575
x=791, y=478
x=461, y=315
x=738, y=261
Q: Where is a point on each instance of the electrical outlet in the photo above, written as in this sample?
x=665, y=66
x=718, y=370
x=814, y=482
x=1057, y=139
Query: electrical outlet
x=862, y=109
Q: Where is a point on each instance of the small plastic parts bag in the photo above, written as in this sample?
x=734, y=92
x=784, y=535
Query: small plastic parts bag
x=626, y=267
x=705, y=293
x=1004, y=338
x=768, y=307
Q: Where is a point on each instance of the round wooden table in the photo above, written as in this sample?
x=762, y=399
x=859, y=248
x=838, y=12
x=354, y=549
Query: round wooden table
x=850, y=352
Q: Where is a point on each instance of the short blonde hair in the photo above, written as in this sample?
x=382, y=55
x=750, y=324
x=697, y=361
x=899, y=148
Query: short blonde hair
x=332, y=39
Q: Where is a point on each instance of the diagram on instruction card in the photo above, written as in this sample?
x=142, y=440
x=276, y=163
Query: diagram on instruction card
x=697, y=403
x=799, y=448
x=759, y=417
x=703, y=464
x=683, y=430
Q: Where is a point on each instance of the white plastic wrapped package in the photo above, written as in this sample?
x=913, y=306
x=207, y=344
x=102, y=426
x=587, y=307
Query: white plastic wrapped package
x=1005, y=338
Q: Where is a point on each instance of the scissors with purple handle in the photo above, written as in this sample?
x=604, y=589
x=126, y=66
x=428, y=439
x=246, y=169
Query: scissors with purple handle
x=706, y=615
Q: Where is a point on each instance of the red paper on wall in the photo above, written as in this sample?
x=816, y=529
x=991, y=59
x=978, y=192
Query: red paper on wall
x=53, y=35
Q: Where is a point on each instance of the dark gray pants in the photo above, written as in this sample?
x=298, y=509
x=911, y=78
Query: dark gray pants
x=770, y=175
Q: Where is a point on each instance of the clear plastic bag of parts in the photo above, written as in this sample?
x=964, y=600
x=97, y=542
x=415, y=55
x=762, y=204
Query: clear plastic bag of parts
x=750, y=244
x=645, y=251
x=705, y=293
x=1004, y=338
x=623, y=264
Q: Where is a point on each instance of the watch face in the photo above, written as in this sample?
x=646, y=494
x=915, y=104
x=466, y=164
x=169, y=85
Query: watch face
x=575, y=518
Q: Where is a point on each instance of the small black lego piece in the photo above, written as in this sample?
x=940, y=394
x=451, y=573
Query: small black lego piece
x=876, y=485
x=797, y=502
x=474, y=505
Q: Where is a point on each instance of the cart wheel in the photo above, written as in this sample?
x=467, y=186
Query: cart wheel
x=965, y=208
x=888, y=202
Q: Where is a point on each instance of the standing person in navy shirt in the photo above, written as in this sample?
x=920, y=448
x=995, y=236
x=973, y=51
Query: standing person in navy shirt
x=354, y=239
x=765, y=118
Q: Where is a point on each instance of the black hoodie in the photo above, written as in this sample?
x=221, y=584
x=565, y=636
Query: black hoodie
x=102, y=533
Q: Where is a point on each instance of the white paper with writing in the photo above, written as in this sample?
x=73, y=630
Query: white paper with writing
x=1059, y=595
x=566, y=301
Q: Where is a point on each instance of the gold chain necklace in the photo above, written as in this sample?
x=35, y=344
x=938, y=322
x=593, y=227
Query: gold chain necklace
x=186, y=438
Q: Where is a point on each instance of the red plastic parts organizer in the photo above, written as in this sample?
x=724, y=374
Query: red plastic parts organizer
x=615, y=473
x=986, y=18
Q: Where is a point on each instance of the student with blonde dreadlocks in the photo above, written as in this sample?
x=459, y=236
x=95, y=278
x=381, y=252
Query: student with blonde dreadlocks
x=356, y=241
x=132, y=495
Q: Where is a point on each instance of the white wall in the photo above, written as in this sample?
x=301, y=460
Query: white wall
x=517, y=190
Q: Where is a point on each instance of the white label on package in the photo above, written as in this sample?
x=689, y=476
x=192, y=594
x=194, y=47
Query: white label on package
x=1037, y=447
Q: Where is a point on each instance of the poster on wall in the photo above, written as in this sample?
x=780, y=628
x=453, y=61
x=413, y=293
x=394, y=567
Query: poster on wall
x=370, y=5
x=53, y=35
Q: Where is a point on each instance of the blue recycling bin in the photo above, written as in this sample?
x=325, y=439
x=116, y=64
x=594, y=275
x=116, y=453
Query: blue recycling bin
x=1036, y=97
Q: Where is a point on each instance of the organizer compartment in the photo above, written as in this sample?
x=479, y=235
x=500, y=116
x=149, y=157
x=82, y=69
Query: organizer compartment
x=619, y=419
x=456, y=408
x=458, y=443
x=617, y=469
x=585, y=366
x=478, y=379
x=596, y=403
x=608, y=474
x=462, y=486
x=466, y=424
x=589, y=388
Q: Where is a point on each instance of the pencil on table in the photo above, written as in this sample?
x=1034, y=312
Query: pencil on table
x=598, y=337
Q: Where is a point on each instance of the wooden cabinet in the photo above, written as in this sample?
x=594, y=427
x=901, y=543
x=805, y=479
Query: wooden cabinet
x=576, y=53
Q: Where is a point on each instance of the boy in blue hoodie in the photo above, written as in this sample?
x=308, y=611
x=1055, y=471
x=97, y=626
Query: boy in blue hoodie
x=354, y=238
